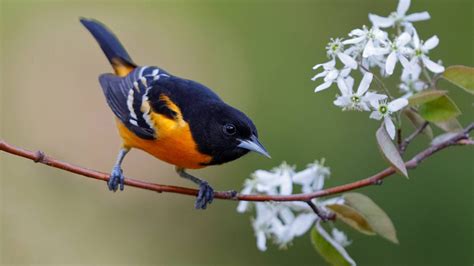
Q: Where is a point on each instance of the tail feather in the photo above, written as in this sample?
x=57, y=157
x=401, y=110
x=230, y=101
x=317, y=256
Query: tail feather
x=113, y=49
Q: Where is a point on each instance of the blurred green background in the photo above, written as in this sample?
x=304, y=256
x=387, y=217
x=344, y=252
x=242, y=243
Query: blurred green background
x=258, y=56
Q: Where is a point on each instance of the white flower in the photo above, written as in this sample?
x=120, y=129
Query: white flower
x=370, y=39
x=359, y=100
x=261, y=224
x=330, y=73
x=340, y=237
x=398, y=50
x=384, y=110
x=275, y=182
x=249, y=186
x=312, y=178
x=411, y=82
x=335, y=48
x=282, y=222
x=399, y=17
x=289, y=226
x=422, y=49
x=278, y=222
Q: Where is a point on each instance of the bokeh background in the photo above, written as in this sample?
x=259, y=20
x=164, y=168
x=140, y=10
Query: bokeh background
x=258, y=56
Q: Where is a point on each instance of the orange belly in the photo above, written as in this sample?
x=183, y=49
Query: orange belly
x=174, y=143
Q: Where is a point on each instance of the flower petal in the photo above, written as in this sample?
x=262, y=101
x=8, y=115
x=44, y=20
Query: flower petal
x=431, y=43
x=397, y=104
x=342, y=101
x=373, y=97
x=261, y=241
x=350, y=83
x=265, y=177
x=286, y=186
x=390, y=64
x=432, y=66
x=323, y=86
x=305, y=176
x=320, y=75
x=413, y=72
x=402, y=7
x=416, y=40
x=381, y=22
x=375, y=115
x=369, y=49
x=286, y=215
x=302, y=223
x=345, y=72
x=363, y=106
x=340, y=237
x=365, y=83
x=243, y=206
x=264, y=212
x=347, y=60
x=389, y=126
x=403, y=39
x=405, y=63
x=354, y=40
x=342, y=85
x=357, y=32
x=332, y=75
x=379, y=34
x=418, y=16
x=337, y=246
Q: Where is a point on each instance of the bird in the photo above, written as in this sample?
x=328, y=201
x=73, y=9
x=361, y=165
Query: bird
x=177, y=120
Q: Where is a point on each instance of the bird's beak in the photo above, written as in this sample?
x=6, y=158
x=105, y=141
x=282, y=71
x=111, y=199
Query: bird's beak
x=253, y=144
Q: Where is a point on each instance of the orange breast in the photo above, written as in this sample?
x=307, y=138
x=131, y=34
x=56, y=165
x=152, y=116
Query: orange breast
x=174, y=143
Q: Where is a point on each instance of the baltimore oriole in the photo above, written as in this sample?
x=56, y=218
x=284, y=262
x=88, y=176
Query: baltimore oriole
x=177, y=120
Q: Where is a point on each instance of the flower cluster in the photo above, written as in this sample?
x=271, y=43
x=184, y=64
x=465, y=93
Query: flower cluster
x=372, y=47
x=282, y=222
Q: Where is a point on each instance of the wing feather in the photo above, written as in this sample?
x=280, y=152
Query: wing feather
x=125, y=96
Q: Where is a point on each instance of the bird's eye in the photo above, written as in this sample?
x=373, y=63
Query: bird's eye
x=229, y=129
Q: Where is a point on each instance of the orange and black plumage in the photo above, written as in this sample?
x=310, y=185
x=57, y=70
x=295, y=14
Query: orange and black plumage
x=176, y=120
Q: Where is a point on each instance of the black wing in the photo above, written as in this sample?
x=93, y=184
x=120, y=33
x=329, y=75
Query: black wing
x=126, y=95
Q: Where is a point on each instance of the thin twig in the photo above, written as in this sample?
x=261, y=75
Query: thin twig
x=403, y=146
x=320, y=213
x=461, y=138
x=399, y=138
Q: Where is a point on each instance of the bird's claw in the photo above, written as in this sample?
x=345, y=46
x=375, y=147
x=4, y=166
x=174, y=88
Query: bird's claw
x=205, y=196
x=116, y=179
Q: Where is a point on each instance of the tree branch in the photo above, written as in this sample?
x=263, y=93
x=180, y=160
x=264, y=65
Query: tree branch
x=461, y=138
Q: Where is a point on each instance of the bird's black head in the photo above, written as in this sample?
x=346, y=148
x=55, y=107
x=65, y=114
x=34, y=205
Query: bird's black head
x=225, y=133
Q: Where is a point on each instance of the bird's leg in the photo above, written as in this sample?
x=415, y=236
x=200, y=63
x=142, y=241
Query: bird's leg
x=206, y=192
x=116, y=176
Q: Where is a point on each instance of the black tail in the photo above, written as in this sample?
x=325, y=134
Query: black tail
x=113, y=49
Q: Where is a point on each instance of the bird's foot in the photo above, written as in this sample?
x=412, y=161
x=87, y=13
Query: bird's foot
x=116, y=179
x=205, y=196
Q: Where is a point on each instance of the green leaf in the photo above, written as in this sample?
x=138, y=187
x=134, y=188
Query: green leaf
x=329, y=249
x=418, y=121
x=351, y=217
x=425, y=96
x=389, y=151
x=439, y=110
x=376, y=217
x=461, y=76
x=450, y=125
